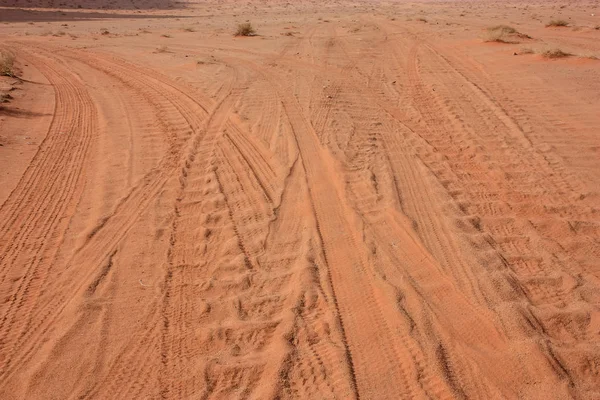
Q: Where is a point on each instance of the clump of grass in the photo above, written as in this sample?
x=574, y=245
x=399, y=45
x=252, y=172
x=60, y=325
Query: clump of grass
x=504, y=34
x=556, y=53
x=166, y=36
x=162, y=49
x=188, y=29
x=526, y=50
x=245, y=29
x=104, y=31
x=557, y=22
x=502, y=28
x=7, y=64
x=597, y=27
x=59, y=33
x=421, y=19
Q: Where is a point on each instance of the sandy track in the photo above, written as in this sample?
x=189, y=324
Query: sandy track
x=337, y=214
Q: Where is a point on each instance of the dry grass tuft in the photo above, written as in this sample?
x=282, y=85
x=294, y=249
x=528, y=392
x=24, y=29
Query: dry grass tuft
x=188, y=29
x=162, y=49
x=502, y=28
x=526, y=50
x=504, y=34
x=556, y=53
x=245, y=29
x=7, y=64
x=557, y=22
x=422, y=19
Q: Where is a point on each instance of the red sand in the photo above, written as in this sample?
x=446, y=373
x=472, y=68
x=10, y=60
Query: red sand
x=365, y=200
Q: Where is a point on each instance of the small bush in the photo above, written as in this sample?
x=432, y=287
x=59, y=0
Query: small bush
x=7, y=64
x=556, y=53
x=557, y=22
x=104, y=31
x=502, y=28
x=502, y=34
x=245, y=29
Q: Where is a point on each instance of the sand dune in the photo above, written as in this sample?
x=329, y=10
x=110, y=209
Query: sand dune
x=365, y=200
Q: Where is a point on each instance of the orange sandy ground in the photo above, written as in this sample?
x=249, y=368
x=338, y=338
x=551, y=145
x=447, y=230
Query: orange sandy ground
x=365, y=200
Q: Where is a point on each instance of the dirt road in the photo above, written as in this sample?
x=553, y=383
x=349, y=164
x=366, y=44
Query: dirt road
x=360, y=202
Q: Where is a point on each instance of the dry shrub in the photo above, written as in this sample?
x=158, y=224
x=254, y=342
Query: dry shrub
x=7, y=64
x=502, y=28
x=245, y=29
x=556, y=53
x=504, y=34
x=557, y=22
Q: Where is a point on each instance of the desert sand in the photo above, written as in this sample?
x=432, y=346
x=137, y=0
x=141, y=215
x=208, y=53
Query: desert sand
x=366, y=199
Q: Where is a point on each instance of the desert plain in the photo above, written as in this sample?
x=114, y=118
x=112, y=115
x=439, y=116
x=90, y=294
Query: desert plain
x=361, y=199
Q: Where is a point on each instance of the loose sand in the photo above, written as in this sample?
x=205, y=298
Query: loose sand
x=365, y=200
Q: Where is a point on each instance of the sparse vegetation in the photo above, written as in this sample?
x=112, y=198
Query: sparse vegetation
x=104, y=31
x=166, y=36
x=162, y=49
x=502, y=28
x=556, y=53
x=188, y=29
x=245, y=29
x=7, y=64
x=503, y=34
x=557, y=22
x=421, y=19
x=526, y=50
